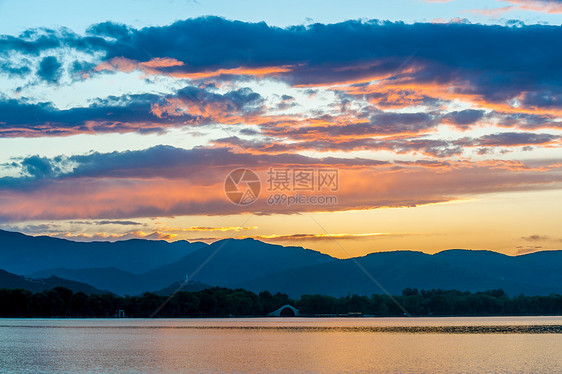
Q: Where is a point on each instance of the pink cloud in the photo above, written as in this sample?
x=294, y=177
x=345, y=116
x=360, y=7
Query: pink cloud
x=543, y=6
x=359, y=188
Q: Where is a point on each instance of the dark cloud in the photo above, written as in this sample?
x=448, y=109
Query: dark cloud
x=379, y=123
x=34, y=41
x=162, y=162
x=20, y=118
x=464, y=118
x=79, y=68
x=543, y=99
x=528, y=121
x=110, y=29
x=50, y=69
x=242, y=100
x=125, y=113
x=33, y=229
x=38, y=167
x=535, y=237
x=123, y=223
x=431, y=147
x=499, y=62
x=248, y=131
x=425, y=163
x=401, y=98
x=13, y=70
x=286, y=102
x=391, y=122
x=507, y=139
x=516, y=139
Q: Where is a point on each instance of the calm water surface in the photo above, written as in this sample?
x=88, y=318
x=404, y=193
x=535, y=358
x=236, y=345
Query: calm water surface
x=270, y=345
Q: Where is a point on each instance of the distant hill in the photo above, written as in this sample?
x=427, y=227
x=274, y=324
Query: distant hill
x=226, y=263
x=257, y=266
x=22, y=254
x=118, y=281
x=229, y=262
x=532, y=274
x=9, y=280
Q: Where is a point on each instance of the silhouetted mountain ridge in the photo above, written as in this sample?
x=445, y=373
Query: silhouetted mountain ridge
x=452, y=269
x=22, y=254
x=9, y=280
x=226, y=262
x=257, y=266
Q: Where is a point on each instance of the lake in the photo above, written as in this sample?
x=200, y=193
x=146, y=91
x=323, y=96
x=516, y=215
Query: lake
x=277, y=345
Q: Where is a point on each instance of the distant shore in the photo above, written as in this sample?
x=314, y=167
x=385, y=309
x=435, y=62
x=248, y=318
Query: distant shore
x=223, y=303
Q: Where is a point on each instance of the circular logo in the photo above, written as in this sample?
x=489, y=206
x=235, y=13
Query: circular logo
x=242, y=186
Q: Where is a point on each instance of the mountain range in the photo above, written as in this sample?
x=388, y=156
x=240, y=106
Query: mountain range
x=227, y=263
x=22, y=254
x=135, y=266
x=9, y=280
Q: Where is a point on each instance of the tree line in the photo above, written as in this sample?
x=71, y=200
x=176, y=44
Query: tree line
x=222, y=302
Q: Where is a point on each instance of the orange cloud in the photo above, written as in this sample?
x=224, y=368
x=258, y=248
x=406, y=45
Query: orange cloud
x=207, y=228
x=161, y=63
x=359, y=188
x=407, y=90
x=155, y=65
x=366, y=79
x=256, y=72
x=512, y=165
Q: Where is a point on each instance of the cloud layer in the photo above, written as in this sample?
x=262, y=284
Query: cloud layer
x=167, y=181
x=446, y=104
x=499, y=70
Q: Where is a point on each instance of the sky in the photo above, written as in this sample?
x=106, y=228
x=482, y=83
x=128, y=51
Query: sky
x=344, y=127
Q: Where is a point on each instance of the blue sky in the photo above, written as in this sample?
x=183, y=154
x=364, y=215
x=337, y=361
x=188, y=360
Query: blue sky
x=16, y=16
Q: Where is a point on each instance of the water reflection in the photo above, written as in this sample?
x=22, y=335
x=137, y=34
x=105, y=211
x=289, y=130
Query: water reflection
x=279, y=345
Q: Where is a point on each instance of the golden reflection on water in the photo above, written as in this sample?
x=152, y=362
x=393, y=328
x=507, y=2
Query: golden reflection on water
x=281, y=345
